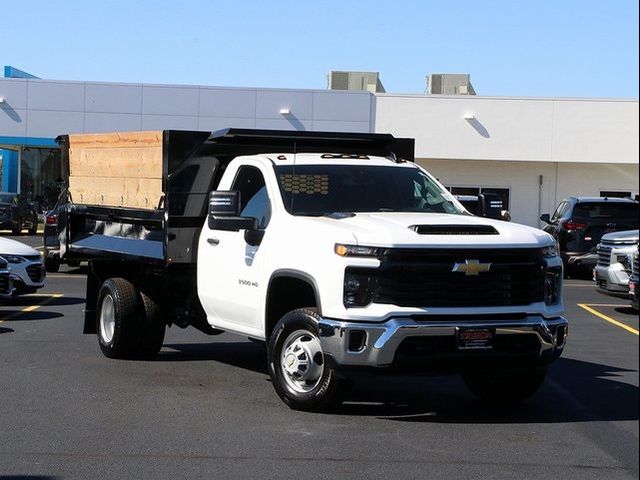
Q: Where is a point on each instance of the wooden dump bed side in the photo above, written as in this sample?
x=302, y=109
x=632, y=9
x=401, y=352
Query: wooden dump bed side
x=122, y=169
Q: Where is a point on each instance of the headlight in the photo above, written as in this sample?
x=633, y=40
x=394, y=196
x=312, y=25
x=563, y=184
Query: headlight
x=356, y=251
x=550, y=251
x=625, y=260
x=14, y=259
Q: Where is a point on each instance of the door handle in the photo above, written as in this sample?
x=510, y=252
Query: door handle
x=213, y=241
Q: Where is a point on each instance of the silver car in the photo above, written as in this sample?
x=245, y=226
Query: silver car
x=615, y=258
x=6, y=283
x=25, y=265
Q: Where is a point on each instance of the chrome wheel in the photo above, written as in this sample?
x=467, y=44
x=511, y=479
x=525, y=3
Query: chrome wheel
x=301, y=361
x=107, y=319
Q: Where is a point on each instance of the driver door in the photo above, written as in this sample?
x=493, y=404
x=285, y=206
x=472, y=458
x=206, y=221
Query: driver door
x=229, y=269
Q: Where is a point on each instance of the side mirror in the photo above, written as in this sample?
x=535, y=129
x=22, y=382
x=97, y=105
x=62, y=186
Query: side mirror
x=490, y=205
x=224, y=212
x=545, y=218
x=224, y=203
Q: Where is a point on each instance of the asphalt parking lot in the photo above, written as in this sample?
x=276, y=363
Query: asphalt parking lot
x=205, y=407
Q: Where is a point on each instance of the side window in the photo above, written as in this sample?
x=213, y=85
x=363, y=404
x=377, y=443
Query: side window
x=559, y=211
x=254, y=201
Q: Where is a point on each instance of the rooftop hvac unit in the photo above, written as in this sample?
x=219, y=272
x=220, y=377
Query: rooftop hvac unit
x=450, y=84
x=357, y=81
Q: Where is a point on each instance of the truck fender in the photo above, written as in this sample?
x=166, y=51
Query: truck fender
x=275, y=309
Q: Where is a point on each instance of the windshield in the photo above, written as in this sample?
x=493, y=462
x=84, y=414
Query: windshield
x=325, y=189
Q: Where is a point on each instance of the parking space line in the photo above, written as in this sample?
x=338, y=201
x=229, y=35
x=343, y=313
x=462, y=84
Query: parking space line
x=31, y=308
x=64, y=275
x=608, y=319
x=623, y=305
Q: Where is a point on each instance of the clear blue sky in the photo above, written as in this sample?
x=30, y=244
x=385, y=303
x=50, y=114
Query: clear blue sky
x=555, y=48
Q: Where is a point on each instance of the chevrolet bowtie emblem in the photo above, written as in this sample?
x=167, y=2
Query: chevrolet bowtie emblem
x=471, y=267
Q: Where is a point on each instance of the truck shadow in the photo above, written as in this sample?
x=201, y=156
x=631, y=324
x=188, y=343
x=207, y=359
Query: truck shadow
x=574, y=391
x=247, y=355
x=5, y=330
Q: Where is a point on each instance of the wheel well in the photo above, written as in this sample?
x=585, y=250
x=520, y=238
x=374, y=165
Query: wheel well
x=286, y=294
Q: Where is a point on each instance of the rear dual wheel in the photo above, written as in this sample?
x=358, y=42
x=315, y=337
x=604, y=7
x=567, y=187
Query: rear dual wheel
x=129, y=323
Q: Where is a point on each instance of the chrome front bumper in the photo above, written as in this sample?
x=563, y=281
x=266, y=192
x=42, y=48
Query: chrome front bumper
x=383, y=339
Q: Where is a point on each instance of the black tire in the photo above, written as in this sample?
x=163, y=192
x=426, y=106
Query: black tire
x=16, y=228
x=33, y=229
x=152, y=328
x=327, y=390
x=122, y=342
x=506, y=387
x=52, y=264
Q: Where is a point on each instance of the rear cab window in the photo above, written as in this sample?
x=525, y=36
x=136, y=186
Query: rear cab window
x=621, y=212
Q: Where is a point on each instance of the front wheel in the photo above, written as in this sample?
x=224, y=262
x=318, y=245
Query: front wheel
x=296, y=364
x=505, y=387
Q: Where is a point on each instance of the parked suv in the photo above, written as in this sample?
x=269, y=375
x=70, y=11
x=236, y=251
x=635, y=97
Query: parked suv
x=16, y=213
x=615, y=257
x=579, y=223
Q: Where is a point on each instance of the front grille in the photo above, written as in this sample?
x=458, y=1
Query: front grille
x=5, y=283
x=36, y=272
x=634, y=268
x=604, y=255
x=424, y=278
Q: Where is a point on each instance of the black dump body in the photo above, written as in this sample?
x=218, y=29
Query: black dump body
x=193, y=164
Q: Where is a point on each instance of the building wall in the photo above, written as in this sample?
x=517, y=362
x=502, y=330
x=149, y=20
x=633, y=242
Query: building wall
x=47, y=108
x=529, y=199
x=513, y=129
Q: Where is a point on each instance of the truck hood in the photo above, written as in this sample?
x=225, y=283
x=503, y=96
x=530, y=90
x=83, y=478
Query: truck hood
x=627, y=236
x=11, y=247
x=395, y=229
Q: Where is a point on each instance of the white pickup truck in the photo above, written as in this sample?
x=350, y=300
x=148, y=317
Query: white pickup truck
x=335, y=249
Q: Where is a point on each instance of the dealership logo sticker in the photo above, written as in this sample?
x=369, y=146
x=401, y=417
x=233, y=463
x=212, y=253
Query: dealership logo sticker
x=471, y=267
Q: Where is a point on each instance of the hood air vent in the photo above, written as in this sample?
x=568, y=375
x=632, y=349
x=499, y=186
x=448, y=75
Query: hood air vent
x=454, y=229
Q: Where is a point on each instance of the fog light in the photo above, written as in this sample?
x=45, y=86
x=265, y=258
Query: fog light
x=551, y=287
x=357, y=290
x=357, y=340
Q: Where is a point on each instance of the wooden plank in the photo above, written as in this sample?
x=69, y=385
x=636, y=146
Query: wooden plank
x=116, y=139
x=121, y=169
x=139, y=162
x=141, y=193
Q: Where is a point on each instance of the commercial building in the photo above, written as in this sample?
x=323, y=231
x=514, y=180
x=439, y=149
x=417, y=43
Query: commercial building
x=532, y=151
